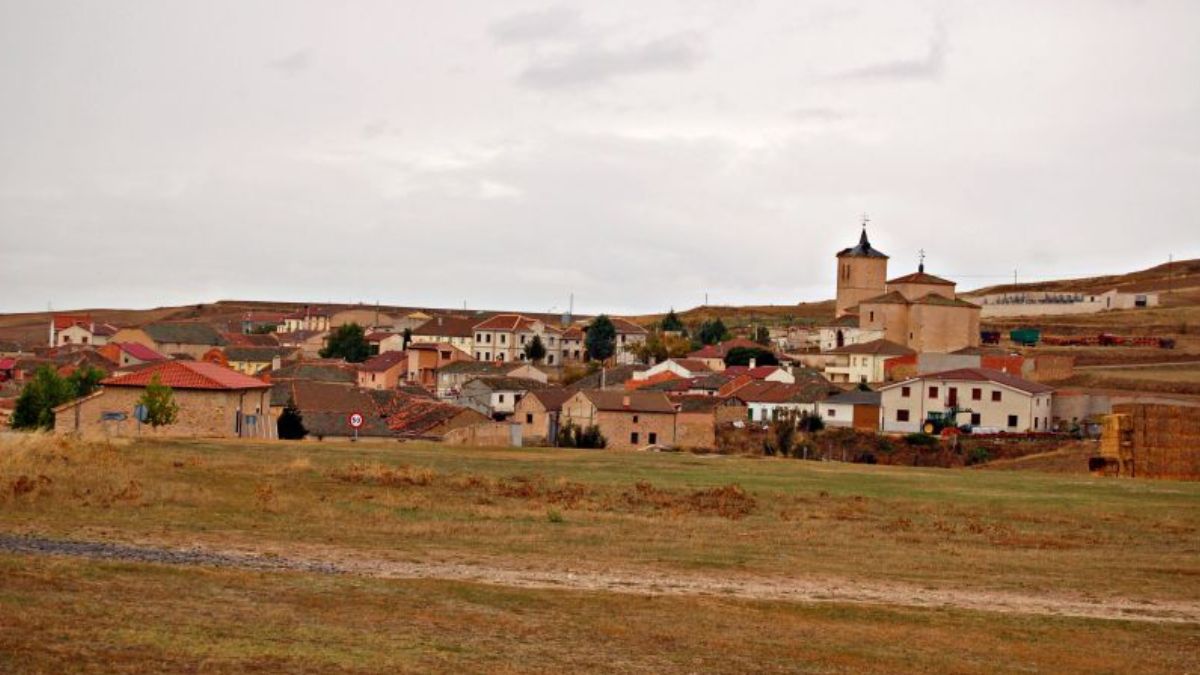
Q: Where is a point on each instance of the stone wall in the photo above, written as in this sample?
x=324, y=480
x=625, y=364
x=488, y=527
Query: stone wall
x=201, y=414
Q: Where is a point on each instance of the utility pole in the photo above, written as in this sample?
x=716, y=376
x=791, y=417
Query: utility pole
x=1014, y=277
x=1170, y=270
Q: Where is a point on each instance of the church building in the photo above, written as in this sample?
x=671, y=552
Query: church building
x=919, y=310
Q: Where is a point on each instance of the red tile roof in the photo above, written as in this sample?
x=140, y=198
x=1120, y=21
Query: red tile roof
x=879, y=347
x=758, y=372
x=385, y=361
x=64, y=321
x=379, y=336
x=720, y=350
x=140, y=351
x=921, y=278
x=447, y=326
x=188, y=375
x=629, y=401
x=762, y=391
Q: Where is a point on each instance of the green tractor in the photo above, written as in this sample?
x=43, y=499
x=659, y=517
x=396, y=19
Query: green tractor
x=936, y=422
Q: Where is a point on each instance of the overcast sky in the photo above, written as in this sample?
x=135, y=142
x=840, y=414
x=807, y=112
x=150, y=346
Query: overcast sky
x=638, y=154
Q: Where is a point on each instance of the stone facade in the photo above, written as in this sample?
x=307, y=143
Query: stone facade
x=202, y=413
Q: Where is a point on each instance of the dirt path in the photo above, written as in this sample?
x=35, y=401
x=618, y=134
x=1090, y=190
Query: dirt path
x=640, y=582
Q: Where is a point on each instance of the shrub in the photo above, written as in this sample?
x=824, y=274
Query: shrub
x=921, y=440
x=978, y=455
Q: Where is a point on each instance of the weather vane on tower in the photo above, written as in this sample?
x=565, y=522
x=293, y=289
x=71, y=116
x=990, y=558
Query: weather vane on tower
x=921, y=255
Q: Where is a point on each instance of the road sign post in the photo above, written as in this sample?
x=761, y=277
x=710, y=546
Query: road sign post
x=356, y=421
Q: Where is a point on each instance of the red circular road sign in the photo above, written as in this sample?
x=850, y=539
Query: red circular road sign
x=355, y=419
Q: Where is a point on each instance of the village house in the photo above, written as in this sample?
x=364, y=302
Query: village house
x=976, y=396
x=844, y=332
x=386, y=371
x=713, y=356
x=538, y=414
x=365, y=317
x=852, y=409
x=423, y=418
x=309, y=342
x=503, y=338
x=629, y=337
x=496, y=397
x=861, y=363
x=382, y=342
x=189, y=338
x=425, y=359
x=628, y=420
x=682, y=368
x=67, y=329
x=307, y=318
x=767, y=401
x=698, y=417
x=126, y=354
x=573, y=348
x=213, y=402
x=458, y=331
x=254, y=360
x=452, y=377
x=607, y=378
x=325, y=408
x=253, y=323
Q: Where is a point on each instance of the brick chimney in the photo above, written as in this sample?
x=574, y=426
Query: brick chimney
x=753, y=363
x=625, y=401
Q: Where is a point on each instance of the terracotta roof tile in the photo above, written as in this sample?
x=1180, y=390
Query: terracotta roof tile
x=921, y=278
x=385, y=361
x=982, y=375
x=188, y=375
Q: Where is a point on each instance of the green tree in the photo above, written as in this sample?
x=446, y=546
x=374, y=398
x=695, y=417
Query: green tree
x=159, y=402
x=712, y=332
x=601, y=341
x=34, y=408
x=85, y=380
x=291, y=422
x=535, y=351
x=762, y=335
x=671, y=322
x=782, y=435
x=407, y=337
x=740, y=356
x=347, y=342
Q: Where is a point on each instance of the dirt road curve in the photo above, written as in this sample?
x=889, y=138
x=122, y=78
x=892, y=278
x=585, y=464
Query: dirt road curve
x=640, y=582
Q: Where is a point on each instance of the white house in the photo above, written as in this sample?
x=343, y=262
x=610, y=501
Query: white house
x=978, y=396
x=685, y=368
x=863, y=362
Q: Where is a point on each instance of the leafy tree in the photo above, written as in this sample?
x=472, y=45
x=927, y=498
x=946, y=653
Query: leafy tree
x=652, y=349
x=712, y=332
x=291, y=422
x=535, y=351
x=671, y=322
x=762, y=335
x=159, y=402
x=782, y=435
x=863, y=386
x=407, y=337
x=740, y=356
x=85, y=380
x=570, y=435
x=34, y=408
x=601, y=340
x=347, y=342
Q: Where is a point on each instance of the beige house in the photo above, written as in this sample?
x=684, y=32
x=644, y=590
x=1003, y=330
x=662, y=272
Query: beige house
x=213, y=401
x=386, y=371
x=70, y=329
x=368, y=318
x=698, y=417
x=309, y=342
x=503, y=338
x=190, y=338
x=538, y=414
x=452, y=376
x=861, y=363
x=628, y=420
x=454, y=330
x=307, y=318
x=979, y=397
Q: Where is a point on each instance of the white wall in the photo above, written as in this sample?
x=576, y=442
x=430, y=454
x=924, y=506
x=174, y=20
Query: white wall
x=1033, y=412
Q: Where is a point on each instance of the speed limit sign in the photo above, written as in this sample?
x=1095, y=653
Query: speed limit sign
x=356, y=420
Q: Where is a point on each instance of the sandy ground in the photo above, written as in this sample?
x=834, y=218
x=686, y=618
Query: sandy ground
x=639, y=582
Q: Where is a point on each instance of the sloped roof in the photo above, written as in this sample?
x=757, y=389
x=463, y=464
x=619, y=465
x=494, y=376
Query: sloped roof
x=855, y=397
x=878, y=347
x=890, y=298
x=256, y=354
x=447, y=326
x=638, y=401
x=699, y=403
x=862, y=250
x=385, y=361
x=468, y=367
x=721, y=349
x=921, y=277
x=980, y=375
x=419, y=416
x=506, y=322
x=552, y=398
x=612, y=377
x=692, y=365
x=64, y=321
x=503, y=383
x=764, y=391
x=188, y=375
x=140, y=351
x=320, y=371
x=191, y=333
x=105, y=329
x=298, y=336
x=379, y=335
x=942, y=301
x=626, y=326
x=757, y=372
x=250, y=339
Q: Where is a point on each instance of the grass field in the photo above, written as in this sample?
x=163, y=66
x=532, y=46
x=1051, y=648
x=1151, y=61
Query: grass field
x=911, y=560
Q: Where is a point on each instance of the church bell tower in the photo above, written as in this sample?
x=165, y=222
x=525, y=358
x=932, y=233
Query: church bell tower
x=861, y=274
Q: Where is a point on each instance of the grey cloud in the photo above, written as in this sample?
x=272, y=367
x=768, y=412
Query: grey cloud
x=546, y=24
x=294, y=63
x=594, y=64
x=927, y=67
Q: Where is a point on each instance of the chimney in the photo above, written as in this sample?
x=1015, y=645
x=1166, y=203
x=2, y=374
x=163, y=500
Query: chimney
x=753, y=363
x=276, y=362
x=625, y=401
x=439, y=320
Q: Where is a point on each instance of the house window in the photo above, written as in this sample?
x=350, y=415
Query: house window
x=522, y=339
x=503, y=339
x=1012, y=421
x=831, y=413
x=528, y=418
x=976, y=394
x=500, y=398
x=871, y=314
x=499, y=356
x=635, y=419
x=905, y=392
x=653, y=438
x=976, y=419
x=550, y=359
x=901, y=415
x=1035, y=423
x=933, y=392
x=479, y=337
x=996, y=396
x=633, y=438
x=489, y=337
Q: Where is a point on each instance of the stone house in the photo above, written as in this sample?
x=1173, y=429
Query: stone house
x=980, y=397
x=698, y=417
x=628, y=420
x=496, y=397
x=386, y=371
x=538, y=414
x=382, y=342
x=189, y=338
x=213, y=402
x=425, y=359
